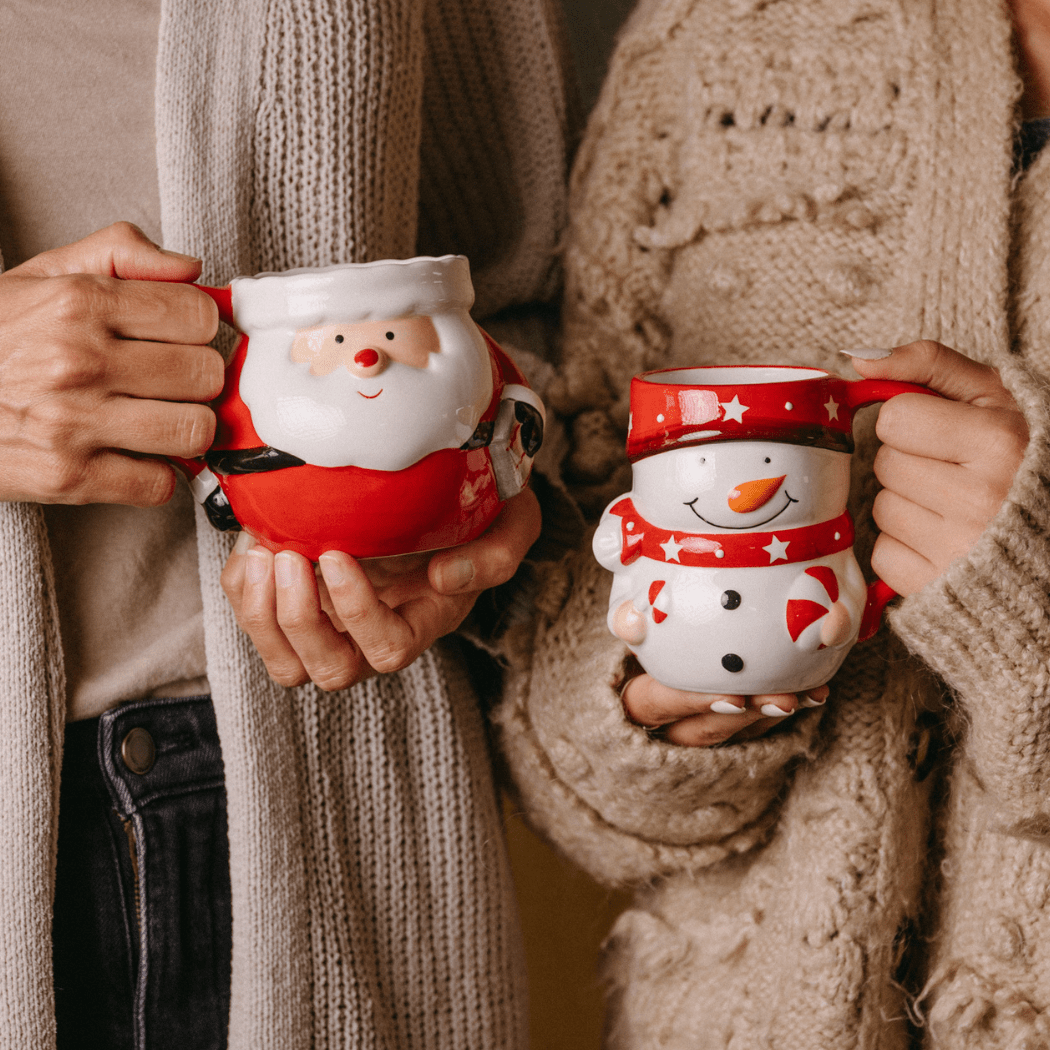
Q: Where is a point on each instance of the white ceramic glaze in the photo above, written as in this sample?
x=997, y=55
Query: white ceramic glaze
x=732, y=561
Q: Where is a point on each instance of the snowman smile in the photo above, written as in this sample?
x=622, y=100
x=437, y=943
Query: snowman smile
x=371, y=397
x=750, y=527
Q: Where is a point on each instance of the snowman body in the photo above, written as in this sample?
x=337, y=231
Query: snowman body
x=733, y=569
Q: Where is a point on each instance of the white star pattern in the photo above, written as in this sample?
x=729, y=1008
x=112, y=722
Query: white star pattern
x=733, y=409
x=777, y=549
x=671, y=549
x=833, y=408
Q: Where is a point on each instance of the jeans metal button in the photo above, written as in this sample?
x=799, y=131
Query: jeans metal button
x=138, y=751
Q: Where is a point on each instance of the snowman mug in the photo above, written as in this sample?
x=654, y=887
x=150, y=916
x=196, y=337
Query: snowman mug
x=363, y=410
x=732, y=556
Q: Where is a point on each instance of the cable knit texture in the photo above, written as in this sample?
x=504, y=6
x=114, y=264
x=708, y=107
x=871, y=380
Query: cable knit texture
x=372, y=899
x=771, y=182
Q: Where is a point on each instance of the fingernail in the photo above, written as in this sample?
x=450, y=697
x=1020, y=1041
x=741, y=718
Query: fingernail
x=816, y=697
x=245, y=542
x=332, y=568
x=725, y=707
x=772, y=711
x=868, y=353
x=284, y=569
x=257, y=566
x=456, y=575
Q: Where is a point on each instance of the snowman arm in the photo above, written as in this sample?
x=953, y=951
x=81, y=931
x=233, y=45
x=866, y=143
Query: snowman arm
x=607, y=541
x=624, y=805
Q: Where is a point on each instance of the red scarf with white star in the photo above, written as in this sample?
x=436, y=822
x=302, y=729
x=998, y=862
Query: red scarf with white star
x=642, y=539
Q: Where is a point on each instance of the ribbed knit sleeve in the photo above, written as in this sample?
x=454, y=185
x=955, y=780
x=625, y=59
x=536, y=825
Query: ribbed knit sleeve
x=499, y=119
x=625, y=806
x=984, y=627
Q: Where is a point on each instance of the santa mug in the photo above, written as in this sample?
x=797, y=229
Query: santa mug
x=732, y=556
x=364, y=411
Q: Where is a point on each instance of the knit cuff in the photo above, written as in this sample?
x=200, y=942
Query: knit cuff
x=622, y=804
x=984, y=626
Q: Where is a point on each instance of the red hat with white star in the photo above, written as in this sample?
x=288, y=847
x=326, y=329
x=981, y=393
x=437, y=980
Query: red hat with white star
x=675, y=407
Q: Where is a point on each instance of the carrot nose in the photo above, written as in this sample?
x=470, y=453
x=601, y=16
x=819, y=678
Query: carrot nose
x=753, y=494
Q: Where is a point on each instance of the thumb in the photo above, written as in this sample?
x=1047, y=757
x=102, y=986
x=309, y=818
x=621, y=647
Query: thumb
x=938, y=367
x=121, y=250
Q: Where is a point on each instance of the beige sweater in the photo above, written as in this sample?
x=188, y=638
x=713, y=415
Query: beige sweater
x=372, y=904
x=770, y=182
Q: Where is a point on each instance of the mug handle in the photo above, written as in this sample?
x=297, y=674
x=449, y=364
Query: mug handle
x=202, y=481
x=859, y=394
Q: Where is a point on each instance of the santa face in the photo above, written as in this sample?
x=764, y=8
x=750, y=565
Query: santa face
x=741, y=486
x=380, y=394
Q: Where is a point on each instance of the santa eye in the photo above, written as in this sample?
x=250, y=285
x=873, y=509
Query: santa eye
x=338, y=338
x=390, y=335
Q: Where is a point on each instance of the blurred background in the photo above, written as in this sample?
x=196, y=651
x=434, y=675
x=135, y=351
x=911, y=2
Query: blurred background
x=565, y=915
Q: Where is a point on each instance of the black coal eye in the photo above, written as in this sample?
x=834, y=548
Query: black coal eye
x=730, y=599
x=338, y=338
x=390, y=335
x=768, y=460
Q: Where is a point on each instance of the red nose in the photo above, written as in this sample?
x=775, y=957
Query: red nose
x=366, y=358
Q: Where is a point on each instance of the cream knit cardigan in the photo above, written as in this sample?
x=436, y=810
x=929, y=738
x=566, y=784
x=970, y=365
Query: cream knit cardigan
x=770, y=181
x=372, y=904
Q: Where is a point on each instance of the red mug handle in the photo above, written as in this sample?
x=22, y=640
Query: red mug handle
x=859, y=394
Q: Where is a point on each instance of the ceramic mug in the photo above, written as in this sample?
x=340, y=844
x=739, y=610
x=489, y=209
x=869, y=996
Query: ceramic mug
x=363, y=410
x=732, y=556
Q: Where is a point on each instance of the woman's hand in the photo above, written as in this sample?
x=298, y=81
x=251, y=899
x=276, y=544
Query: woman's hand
x=104, y=365
x=349, y=620
x=946, y=464
x=704, y=719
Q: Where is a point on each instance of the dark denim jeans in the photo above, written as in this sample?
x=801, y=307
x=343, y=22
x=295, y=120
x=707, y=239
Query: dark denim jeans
x=142, y=933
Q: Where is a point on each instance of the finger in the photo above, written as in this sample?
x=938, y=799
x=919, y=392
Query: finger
x=256, y=610
x=134, y=425
x=650, y=703
x=953, y=432
x=928, y=533
x=106, y=477
x=331, y=659
x=386, y=640
x=706, y=730
x=494, y=557
x=903, y=568
x=164, y=371
x=146, y=310
x=950, y=491
x=943, y=369
x=120, y=250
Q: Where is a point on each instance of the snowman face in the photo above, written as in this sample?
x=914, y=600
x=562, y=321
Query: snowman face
x=741, y=486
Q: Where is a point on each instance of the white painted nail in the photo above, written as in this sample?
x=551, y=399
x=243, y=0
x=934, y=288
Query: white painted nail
x=772, y=711
x=808, y=701
x=868, y=353
x=245, y=542
x=724, y=707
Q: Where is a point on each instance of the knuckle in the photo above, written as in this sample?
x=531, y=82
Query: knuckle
x=333, y=677
x=62, y=479
x=156, y=486
x=77, y=298
x=286, y=674
x=391, y=658
x=195, y=429
x=72, y=367
x=296, y=620
x=212, y=373
x=123, y=232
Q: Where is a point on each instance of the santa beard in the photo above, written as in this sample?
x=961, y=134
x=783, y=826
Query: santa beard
x=386, y=422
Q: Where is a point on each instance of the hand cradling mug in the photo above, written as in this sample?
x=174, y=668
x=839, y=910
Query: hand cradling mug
x=732, y=556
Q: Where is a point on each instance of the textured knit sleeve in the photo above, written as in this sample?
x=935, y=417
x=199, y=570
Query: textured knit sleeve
x=984, y=627
x=624, y=805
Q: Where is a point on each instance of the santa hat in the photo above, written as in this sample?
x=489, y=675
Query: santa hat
x=352, y=292
x=692, y=406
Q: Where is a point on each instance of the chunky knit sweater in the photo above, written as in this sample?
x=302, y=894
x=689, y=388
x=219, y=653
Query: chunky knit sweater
x=771, y=182
x=372, y=903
